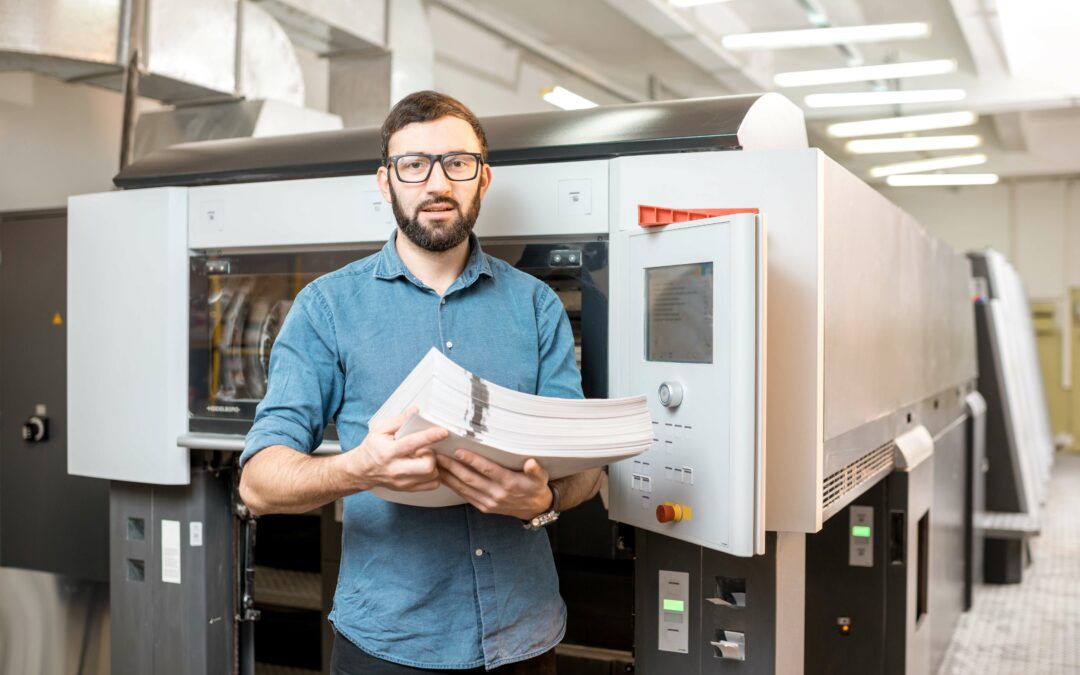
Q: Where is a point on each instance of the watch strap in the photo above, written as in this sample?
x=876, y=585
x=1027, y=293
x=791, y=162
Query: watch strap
x=549, y=516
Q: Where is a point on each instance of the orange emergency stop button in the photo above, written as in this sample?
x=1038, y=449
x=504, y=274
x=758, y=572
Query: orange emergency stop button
x=669, y=512
x=665, y=513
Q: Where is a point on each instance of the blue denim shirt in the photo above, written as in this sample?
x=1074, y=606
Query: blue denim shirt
x=424, y=587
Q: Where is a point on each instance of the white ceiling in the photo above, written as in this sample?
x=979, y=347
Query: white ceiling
x=1018, y=60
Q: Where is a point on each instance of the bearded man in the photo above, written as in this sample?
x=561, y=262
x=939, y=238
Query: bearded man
x=463, y=588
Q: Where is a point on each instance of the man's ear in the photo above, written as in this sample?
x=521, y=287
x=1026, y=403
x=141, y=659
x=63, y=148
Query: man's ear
x=485, y=179
x=382, y=176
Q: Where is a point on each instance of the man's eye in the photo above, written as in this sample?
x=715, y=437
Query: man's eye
x=458, y=163
x=414, y=165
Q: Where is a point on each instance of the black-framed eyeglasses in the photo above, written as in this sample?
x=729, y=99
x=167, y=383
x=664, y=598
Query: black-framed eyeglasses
x=416, y=167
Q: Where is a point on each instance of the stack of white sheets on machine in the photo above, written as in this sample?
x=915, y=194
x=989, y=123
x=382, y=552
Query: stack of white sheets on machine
x=565, y=435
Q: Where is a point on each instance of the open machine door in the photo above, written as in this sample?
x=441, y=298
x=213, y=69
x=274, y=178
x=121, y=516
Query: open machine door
x=692, y=338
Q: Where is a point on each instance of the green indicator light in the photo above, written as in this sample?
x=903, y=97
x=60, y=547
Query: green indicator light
x=673, y=605
x=860, y=531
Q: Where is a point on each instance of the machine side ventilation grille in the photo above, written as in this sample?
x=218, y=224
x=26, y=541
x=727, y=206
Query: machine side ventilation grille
x=851, y=477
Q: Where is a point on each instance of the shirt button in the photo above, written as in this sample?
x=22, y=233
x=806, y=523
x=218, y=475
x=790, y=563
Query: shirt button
x=443, y=301
x=449, y=344
x=479, y=552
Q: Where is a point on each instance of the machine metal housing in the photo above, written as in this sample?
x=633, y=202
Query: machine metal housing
x=869, y=321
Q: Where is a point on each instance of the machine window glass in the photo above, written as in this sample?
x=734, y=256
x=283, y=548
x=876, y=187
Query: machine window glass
x=679, y=313
x=239, y=302
x=238, y=305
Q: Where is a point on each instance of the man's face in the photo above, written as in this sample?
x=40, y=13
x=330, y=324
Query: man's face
x=439, y=213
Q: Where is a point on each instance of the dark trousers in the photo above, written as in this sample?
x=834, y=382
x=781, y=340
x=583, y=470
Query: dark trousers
x=348, y=659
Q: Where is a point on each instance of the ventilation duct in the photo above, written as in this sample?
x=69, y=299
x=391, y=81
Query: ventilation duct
x=189, y=48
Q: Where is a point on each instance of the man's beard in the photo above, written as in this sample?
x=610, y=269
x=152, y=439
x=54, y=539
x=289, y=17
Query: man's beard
x=436, y=238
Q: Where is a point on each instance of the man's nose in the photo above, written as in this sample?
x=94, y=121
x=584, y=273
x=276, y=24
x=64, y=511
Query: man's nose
x=437, y=181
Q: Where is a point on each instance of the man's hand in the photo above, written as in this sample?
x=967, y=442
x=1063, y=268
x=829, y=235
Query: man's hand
x=405, y=464
x=494, y=489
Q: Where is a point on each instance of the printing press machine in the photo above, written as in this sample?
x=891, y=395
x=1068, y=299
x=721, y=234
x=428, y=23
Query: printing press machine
x=816, y=426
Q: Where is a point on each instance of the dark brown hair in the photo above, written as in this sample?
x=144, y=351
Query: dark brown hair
x=427, y=106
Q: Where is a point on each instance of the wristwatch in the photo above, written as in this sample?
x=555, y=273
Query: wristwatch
x=547, y=517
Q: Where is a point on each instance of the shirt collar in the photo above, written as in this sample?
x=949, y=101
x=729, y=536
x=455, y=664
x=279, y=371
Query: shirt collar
x=390, y=266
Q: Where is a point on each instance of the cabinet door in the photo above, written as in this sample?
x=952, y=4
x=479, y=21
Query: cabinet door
x=127, y=335
x=49, y=521
x=694, y=344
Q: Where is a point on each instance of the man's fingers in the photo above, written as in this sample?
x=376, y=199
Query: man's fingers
x=481, y=464
x=533, y=468
x=390, y=425
x=425, y=487
x=419, y=467
x=408, y=445
x=462, y=472
x=466, y=492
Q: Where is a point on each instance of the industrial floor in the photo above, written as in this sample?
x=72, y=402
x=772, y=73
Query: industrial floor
x=1031, y=628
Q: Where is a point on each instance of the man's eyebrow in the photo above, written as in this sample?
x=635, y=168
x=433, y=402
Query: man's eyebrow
x=421, y=152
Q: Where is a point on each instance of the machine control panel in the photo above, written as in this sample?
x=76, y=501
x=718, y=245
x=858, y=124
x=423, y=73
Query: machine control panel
x=861, y=537
x=691, y=327
x=674, y=607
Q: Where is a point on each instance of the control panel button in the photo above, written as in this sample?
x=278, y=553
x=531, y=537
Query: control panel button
x=665, y=513
x=669, y=512
x=670, y=394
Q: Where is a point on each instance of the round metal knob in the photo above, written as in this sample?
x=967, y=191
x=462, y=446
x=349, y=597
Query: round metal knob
x=670, y=394
x=36, y=429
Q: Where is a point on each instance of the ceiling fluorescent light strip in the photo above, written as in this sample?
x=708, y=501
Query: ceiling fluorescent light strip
x=694, y=3
x=864, y=98
x=826, y=37
x=924, y=165
x=870, y=146
x=566, y=99
x=936, y=179
x=900, y=125
x=888, y=71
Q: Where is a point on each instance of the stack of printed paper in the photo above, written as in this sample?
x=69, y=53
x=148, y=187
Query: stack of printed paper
x=565, y=435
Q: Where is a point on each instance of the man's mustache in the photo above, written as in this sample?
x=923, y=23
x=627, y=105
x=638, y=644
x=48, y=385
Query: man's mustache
x=438, y=201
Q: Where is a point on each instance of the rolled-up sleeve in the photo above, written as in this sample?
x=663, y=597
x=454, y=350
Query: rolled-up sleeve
x=305, y=383
x=559, y=375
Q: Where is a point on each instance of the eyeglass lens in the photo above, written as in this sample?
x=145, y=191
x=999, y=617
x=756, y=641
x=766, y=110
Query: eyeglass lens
x=416, y=168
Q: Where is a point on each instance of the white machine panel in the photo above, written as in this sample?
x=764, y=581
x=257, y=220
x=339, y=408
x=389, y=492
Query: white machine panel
x=695, y=346
x=127, y=330
x=528, y=200
x=534, y=200
x=319, y=211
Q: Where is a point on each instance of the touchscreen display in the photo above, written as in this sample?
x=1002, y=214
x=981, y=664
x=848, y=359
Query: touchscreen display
x=679, y=313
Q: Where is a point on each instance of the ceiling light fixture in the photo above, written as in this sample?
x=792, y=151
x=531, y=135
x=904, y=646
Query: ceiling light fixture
x=924, y=165
x=863, y=98
x=565, y=99
x=870, y=146
x=887, y=71
x=934, y=179
x=900, y=125
x=826, y=37
x=694, y=3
